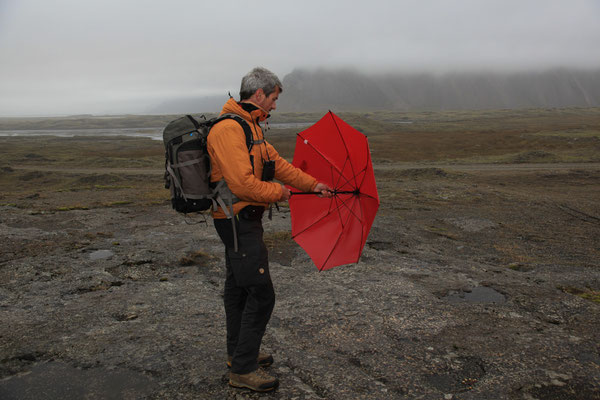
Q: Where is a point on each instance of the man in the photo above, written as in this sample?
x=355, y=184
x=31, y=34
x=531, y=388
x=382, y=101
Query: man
x=249, y=296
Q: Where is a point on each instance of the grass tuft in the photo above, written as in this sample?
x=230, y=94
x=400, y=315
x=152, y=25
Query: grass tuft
x=587, y=293
x=73, y=207
x=199, y=258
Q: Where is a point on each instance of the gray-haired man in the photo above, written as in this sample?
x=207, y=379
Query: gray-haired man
x=249, y=296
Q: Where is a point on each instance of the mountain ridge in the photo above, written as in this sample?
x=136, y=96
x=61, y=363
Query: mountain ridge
x=352, y=90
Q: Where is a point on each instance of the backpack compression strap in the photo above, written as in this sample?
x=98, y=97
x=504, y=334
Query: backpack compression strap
x=193, y=120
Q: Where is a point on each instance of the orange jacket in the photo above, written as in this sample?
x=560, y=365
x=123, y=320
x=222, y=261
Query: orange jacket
x=230, y=160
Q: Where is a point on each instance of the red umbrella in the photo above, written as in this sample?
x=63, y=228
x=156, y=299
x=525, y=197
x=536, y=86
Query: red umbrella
x=333, y=231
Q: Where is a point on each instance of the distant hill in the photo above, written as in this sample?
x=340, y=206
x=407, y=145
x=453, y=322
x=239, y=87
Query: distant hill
x=351, y=90
x=190, y=105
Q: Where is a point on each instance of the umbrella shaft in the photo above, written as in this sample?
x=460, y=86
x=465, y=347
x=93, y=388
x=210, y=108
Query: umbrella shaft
x=334, y=192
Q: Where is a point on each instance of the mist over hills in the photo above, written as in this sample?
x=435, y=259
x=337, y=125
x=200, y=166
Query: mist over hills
x=351, y=90
x=190, y=105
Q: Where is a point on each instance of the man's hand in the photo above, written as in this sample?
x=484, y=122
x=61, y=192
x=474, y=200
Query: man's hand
x=325, y=191
x=285, y=194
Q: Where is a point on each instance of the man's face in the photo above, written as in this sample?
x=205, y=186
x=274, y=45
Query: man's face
x=268, y=103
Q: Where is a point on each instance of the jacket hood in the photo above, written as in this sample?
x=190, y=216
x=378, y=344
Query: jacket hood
x=233, y=107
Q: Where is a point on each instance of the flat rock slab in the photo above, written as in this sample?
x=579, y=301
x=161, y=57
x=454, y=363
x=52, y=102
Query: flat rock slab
x=127, y=303
x=56, y=380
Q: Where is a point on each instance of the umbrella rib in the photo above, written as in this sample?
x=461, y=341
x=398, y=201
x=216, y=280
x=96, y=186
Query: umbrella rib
x=345, y=146
x=331, y=252
x=340, y=236
x=364, y=177
x=336, y=243
x=364, y=169
x=346, y=181
x=333, y=179
x=307, y=142
x=359, y=218
x=351, y=211
x=340, y=203
x=347, y=159
x=329, y=212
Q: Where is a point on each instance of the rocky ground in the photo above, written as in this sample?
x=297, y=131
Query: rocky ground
x=476, y=283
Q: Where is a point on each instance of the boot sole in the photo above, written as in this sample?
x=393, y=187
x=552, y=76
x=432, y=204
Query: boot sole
x=244, y=386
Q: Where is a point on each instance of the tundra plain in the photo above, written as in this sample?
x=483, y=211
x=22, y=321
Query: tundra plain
x=480, y=278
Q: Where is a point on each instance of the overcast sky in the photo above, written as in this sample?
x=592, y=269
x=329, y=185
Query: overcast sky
x=125, y=56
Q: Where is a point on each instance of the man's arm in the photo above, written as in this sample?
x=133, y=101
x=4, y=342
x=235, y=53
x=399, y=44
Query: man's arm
x=289, y=174
x=227, y=148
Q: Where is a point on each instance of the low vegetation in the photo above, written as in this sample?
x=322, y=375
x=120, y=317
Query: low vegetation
x=97, y=270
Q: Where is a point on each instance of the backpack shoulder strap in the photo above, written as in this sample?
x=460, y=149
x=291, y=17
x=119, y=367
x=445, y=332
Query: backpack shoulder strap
x=244, y=125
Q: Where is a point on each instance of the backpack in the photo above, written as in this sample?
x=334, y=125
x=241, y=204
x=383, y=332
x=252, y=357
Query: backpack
x=187, y=164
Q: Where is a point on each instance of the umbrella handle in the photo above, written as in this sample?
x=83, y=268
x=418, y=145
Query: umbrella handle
x=334, y=192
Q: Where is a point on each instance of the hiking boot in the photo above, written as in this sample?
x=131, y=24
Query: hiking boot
x=258, y=380
x=264, y=360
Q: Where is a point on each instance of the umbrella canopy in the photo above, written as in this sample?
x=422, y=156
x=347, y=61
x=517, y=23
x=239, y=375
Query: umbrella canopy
x=333, y=231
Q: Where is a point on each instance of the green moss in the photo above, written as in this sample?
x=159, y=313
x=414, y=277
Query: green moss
x=592, y=296
x=112, y=187
x=586, y=293
x=71, y=208
x=118, y=203
x=572, y=133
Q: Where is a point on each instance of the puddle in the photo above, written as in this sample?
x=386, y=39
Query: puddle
x=557, y=389
x=101, y=255
x=459, y=375
x=480, y=294
x=59, y=381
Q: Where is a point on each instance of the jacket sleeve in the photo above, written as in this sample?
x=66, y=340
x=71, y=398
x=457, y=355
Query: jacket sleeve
x=227, y=148
x=290, y=175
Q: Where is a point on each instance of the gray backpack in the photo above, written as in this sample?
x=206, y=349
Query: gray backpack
x=187, y=164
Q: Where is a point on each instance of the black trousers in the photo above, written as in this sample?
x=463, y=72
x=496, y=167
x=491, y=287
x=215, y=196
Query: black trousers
x=249, y=297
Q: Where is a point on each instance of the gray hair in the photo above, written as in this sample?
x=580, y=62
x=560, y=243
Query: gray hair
x=259, y=78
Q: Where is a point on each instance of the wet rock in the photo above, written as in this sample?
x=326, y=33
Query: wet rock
x=101, y=255
x=575, y=389
x=457, y=374
x=56, y=380
x=380, y=245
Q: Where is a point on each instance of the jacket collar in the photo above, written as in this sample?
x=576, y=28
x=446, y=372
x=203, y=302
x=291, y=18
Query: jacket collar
x=246, y=110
